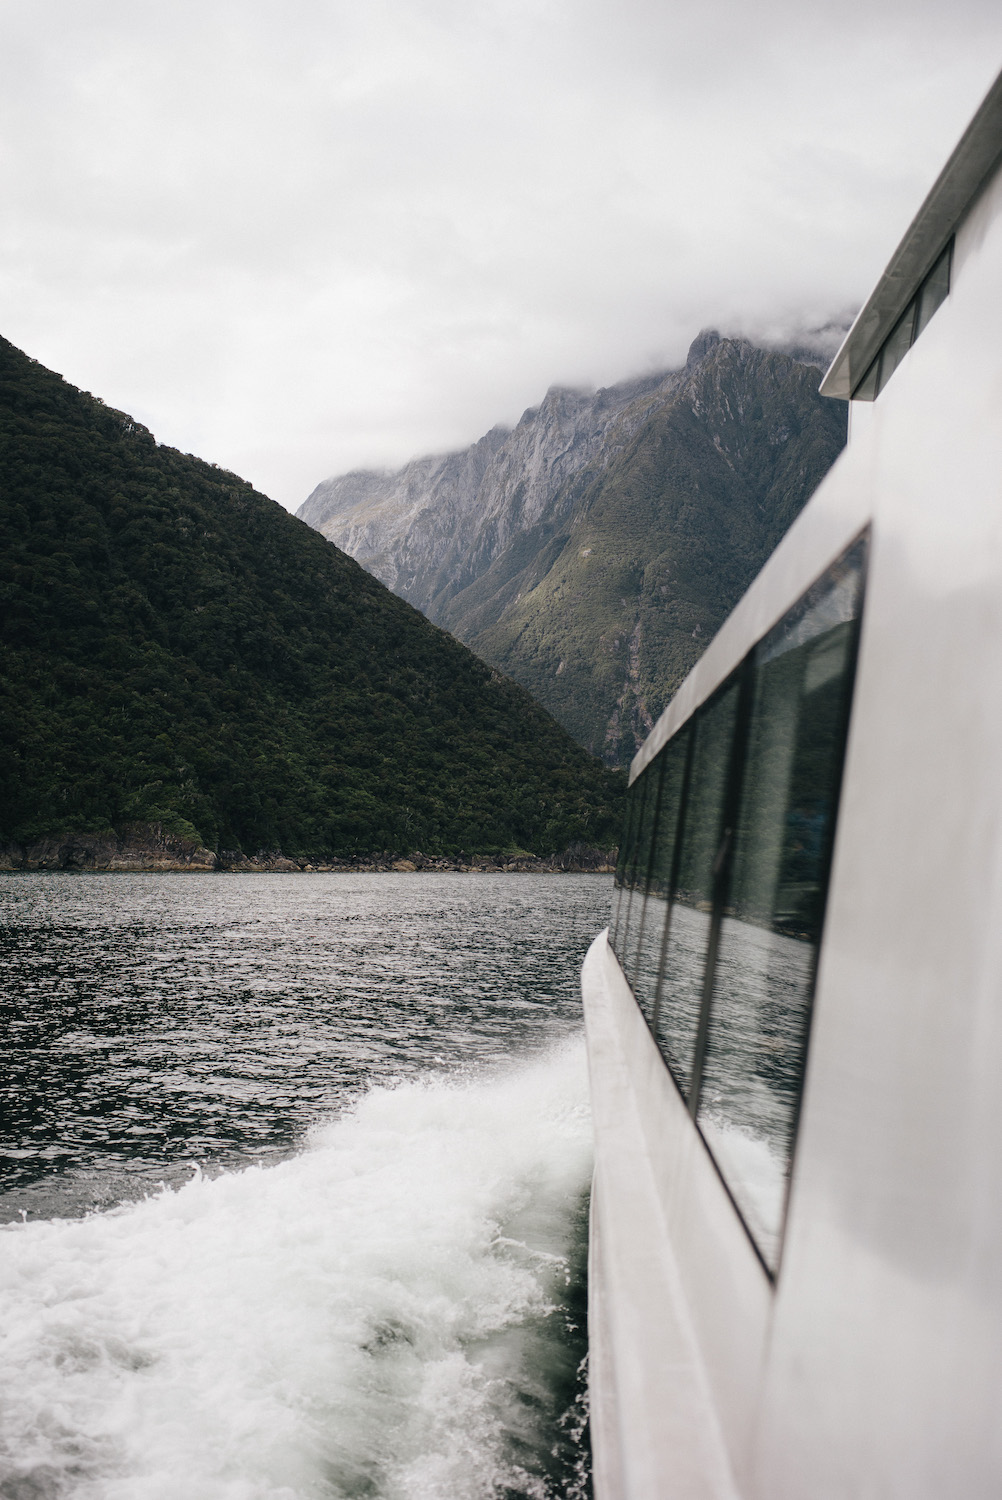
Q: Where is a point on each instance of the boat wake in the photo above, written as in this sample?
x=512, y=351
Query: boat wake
x=395, y=1312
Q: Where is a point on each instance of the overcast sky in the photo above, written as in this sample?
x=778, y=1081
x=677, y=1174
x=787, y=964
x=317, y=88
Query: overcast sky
x=301, y=237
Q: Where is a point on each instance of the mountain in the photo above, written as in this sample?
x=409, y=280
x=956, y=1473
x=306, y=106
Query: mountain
x=186, y=668
x=592, y=551
x=437, y=524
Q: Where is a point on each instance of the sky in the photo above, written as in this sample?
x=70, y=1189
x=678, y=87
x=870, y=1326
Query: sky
x=303, y=237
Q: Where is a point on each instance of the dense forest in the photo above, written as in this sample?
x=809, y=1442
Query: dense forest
x=177, y=650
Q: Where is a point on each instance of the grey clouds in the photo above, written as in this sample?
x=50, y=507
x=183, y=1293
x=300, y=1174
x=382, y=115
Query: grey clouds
x=297, y=238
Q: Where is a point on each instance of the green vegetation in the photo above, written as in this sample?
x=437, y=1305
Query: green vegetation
x=176, y=648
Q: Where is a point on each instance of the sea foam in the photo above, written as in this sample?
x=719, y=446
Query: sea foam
x=373, y=1317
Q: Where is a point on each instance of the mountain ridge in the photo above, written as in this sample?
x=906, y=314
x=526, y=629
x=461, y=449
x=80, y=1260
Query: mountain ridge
x=178, y=653
x=426, y=528
x=734, y=442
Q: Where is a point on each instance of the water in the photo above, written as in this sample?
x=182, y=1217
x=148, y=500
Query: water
x=363, y=1275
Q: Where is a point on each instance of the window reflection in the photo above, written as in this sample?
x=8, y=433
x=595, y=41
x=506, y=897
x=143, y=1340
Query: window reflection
x=722, y=883
x=624, y=863
x=897, y=346
x=630, y=903
x=649, y=800
x=677, y=1020
x=771, y=920
x=636, y=951
x=662, y=873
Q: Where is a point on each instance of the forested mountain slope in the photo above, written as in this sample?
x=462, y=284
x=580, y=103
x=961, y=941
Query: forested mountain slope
x=177, y=652
x=663, y=501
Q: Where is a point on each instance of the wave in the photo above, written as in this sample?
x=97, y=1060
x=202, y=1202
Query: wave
x=394, y=1312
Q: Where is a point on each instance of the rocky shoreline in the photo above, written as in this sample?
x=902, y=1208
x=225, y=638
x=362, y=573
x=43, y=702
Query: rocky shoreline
x=144, y=848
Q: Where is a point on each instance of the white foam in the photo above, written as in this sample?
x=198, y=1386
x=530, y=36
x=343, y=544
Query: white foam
x=344, y=1323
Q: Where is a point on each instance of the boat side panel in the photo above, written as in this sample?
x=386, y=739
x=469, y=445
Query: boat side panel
x=671, y=1273
x=885, y=1365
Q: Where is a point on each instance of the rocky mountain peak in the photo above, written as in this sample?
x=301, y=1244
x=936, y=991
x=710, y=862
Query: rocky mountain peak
x=701, y=346
x=439, y=522
x=592, y=551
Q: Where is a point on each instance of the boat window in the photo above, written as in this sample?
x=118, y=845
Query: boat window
x=634, y=876
x=632, y=868
x=913, y=322
x=661, y=873
x=623, y=867
x=934, y=290
x=897, y=346
x=771, y=914
x=698, y=867
x=647, y=819
x=723, y=884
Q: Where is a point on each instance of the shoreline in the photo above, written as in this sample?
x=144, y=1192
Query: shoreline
x=151, y=849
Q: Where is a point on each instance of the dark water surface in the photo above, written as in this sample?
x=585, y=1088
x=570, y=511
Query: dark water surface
x=156, y=1020
x=397, y=1058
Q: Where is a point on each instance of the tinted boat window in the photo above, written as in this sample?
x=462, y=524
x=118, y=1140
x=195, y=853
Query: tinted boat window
x=649, y=798
x=913, y=321
x=629, y=909
x=773, y=900
x=620, y=899
x=897, y=346
x=639, y=929
x=935, y=290
x=672, y=761
x=677, y=1021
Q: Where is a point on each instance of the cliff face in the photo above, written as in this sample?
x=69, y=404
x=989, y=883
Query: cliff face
x=433, y=527
x=661, y=545
x=594, y=550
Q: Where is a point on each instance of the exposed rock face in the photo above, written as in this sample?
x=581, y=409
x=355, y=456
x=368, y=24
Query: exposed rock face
x=592, y=552
x=138, y=846
x=148, y=848
x=433, y=527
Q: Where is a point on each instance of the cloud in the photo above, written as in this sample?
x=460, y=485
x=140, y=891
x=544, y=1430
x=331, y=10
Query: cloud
x=301, y=237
